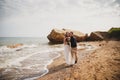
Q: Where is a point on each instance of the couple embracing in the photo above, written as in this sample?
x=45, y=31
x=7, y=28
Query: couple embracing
x=70, y=48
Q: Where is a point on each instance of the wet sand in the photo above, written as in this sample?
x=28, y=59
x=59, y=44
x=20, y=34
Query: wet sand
x=102, y=63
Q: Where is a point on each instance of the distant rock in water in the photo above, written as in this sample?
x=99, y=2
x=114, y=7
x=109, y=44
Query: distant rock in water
x=14, y=46
x=57, y=35
x=98, y=36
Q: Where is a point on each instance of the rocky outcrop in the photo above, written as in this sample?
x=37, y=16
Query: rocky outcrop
x=98, y=36
x=57, y=35
x=14, y=46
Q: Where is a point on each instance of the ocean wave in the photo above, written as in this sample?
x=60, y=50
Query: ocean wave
x=12, y=49
x=37, y=61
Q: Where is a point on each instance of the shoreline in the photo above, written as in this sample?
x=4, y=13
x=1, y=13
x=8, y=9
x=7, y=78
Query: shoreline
x=60, y=59
x=58, y=70
x=45, y=68
x=61, y=55
x=25, y=67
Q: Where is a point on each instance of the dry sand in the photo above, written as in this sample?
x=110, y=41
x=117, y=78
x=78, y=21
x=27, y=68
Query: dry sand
x=100, y=64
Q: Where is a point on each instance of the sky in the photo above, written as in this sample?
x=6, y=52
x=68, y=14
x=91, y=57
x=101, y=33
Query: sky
x=36, y=18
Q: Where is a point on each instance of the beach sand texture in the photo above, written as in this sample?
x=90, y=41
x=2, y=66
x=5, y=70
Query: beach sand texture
x=102, y=63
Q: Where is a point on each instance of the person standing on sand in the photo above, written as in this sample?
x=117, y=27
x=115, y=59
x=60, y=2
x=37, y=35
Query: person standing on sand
x=67, y=49
x=73, y=47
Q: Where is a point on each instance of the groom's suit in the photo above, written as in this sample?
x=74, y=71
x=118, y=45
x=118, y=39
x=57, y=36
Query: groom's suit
x=73, y=42
x=74, y=48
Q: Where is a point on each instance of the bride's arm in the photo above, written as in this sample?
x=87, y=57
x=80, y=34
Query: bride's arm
x=64, y=40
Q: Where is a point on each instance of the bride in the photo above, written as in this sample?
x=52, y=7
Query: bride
x=67, y=50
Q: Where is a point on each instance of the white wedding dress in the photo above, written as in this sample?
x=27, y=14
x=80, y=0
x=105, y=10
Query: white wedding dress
x=68, y=57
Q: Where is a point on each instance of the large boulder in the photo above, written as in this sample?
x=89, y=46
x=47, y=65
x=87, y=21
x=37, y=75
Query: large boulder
x=57, y=35
x=98, y=36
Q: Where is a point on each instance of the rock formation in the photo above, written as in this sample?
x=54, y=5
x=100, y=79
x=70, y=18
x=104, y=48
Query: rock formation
x=57, y=35
x=98, y=36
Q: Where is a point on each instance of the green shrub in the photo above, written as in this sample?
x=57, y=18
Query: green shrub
x=114, y=32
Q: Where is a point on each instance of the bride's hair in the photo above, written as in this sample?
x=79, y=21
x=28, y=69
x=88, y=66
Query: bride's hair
x=67, y=34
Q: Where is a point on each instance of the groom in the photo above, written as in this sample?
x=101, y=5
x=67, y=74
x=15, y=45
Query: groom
x=73, y=46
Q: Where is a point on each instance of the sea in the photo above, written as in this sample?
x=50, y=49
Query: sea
x=29, y=61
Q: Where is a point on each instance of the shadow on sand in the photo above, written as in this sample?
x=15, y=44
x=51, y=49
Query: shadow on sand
x=58, y=68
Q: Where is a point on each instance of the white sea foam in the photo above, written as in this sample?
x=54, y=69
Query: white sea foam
x=30, y=46
x=16, y=61
x=45, y=68
x=6, y=49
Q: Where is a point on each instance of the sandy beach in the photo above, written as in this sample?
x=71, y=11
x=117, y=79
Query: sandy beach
x=102, y=63
x=37, y=36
